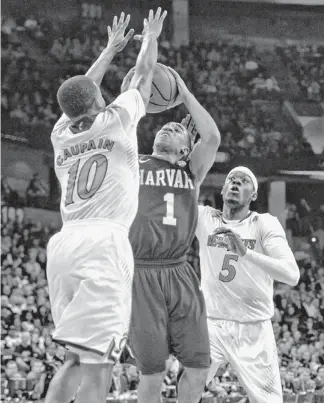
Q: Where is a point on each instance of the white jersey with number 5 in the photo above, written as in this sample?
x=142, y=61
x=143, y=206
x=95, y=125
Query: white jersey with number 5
x=98, y=168
x=235, y=289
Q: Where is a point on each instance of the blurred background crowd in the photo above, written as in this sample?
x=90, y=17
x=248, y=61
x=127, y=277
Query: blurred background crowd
x=226, y=76
x=244, y=85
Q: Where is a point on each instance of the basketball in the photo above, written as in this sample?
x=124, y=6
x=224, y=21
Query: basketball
x=164, y=90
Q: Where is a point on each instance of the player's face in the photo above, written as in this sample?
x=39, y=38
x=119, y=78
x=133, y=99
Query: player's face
x=238, y=190
x=172, y=138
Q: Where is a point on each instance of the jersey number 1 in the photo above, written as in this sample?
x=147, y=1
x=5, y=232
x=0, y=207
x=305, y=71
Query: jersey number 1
x=169, y=218
x=80, y=179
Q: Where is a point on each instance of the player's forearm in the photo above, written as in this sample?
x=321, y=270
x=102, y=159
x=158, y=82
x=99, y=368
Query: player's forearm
x=279, y=269
x=145, y=66
x=205, y=124
x=101, y=65
x=147, y=58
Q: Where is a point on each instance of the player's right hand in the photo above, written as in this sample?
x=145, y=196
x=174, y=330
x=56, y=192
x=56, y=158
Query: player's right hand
x=153, y=25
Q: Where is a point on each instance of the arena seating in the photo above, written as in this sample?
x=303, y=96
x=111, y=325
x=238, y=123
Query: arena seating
x=305, y=63
x=226, y=76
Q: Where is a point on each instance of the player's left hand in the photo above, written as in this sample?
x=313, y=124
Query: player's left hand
x=116, y=34
x=235, y=243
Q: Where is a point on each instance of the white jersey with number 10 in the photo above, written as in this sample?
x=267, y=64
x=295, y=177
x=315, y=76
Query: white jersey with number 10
x=235, y=289
x=98, y=168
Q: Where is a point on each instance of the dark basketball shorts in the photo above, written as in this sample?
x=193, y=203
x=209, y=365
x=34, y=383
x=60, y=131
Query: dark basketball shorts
x=168, y=317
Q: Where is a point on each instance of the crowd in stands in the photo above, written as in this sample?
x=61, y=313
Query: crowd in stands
x=306, y=65
x=29, y=357
x=225, y=76
x=36, y=195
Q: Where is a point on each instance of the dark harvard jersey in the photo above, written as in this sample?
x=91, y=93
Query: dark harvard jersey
x=166, y=220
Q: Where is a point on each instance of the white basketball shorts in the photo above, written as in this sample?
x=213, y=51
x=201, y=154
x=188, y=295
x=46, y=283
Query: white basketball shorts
x=90, y=271
x=251, y=350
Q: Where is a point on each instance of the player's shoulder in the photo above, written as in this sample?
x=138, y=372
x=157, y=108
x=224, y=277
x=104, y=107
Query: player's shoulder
x=264, y=218
x=209, y=212
x=128, y=108
x=267, y=223
x=129, y=101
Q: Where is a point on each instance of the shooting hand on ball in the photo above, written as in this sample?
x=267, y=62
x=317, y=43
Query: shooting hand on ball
x=182, y=88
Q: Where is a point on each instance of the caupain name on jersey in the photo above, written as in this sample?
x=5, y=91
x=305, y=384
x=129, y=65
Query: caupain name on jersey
x=218, y=241
x=169, y=177
x=102, y=143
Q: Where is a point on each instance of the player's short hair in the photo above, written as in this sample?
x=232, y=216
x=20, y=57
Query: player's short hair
x=76, y=95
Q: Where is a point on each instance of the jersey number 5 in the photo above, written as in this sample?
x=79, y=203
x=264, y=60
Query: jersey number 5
x=81, y=179
x=228, y=272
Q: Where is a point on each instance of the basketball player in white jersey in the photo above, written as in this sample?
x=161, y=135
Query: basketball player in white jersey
x=241, y=254
x=90, y=261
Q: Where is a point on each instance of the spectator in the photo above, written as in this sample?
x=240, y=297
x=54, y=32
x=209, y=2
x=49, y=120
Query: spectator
x=319, y=232
x=8, y=195
x=36, y=192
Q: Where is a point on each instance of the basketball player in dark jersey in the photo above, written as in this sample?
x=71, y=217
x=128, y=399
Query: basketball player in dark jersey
x=168, y=312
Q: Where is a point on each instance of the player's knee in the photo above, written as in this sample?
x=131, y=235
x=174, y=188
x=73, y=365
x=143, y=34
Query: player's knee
x=149, y=389
x=96, y=376
x=154, y=380
x=196, y=376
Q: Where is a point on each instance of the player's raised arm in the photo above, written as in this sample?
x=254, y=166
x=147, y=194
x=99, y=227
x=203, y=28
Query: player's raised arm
x=203, y=154
x=117, y=40
x=142, y=75
x=81, y=88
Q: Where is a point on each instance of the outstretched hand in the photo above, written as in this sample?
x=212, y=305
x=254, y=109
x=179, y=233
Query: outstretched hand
x=116, y=34
x=153, y=25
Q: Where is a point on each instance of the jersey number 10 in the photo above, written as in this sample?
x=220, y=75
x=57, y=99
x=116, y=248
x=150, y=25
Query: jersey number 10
x=81, y=179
